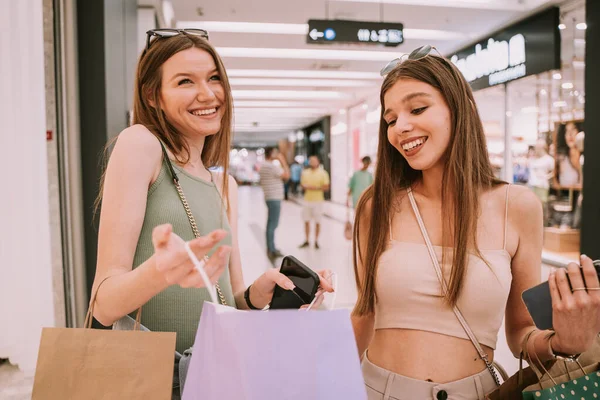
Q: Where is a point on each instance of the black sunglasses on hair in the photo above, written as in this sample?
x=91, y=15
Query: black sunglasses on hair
x=167, y=33
x=416, y=54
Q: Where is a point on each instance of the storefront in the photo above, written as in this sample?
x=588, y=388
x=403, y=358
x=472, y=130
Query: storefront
x=354, y=135
x=529, y=87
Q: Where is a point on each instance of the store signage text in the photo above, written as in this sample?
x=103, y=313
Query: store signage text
x=501, y=61
x=342, y=31
x=529, y=47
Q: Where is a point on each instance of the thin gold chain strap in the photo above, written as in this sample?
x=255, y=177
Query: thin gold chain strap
x=192, y=220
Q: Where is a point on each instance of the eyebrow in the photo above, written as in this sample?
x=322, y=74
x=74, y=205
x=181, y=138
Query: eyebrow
x=408, y=98
x=187, y=74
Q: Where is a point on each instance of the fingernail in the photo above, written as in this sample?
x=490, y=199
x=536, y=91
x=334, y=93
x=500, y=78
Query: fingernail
x=584, y=257
x=289, y=285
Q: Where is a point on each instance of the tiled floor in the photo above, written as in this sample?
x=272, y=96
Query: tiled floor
x=335, y=254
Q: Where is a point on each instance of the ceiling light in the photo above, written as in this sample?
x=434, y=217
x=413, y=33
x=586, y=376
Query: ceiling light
x=246, y=27
x=342, y=111
x=578, y=64
x=557, y=76
x=365, y=106
x=302, y=29
x=484, y=4
x=299, y=82
x=559, y=104
x=529, y=110
x=283, y=111
x=543, y=92
x=567, y=85
x=289, y=94
x=581, y=26
x=339, y=129
x=279, y=73
x=579, y=42
x=562, y=26
x=307, y=54
x=277, y=104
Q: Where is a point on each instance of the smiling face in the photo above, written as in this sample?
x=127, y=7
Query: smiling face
x=571, y=134
x=419, y=123
x=191, y=94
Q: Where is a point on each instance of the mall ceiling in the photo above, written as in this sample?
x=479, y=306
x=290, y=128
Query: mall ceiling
x=280, y=83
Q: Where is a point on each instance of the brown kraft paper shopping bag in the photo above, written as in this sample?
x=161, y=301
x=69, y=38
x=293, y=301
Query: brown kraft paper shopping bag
x=85, y=363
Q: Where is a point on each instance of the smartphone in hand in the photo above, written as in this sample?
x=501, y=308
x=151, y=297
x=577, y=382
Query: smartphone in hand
x=306, y=280
x=539, y=302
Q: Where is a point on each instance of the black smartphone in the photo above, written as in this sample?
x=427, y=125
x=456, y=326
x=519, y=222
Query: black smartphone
x=306, y=281
x=539, y=302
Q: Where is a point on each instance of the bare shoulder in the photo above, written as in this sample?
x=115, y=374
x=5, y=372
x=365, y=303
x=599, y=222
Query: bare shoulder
x=218, y=177
x=139, y=141
x=525, y=213
x=522, y=201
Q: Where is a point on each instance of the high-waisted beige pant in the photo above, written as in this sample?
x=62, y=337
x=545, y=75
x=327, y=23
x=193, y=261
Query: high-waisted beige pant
x=386, y=385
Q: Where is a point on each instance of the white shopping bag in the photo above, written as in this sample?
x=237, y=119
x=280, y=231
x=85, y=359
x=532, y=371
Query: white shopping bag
x=278, y=354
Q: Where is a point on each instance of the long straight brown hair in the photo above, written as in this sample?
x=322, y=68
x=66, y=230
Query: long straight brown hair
x=147, y=109
x=467, y=170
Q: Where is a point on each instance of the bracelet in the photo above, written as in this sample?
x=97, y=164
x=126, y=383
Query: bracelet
x=560, y=356
x=247, y=298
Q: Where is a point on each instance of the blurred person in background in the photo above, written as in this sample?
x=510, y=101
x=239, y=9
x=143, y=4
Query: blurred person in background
x=295, y=175
x=359, y=182
x=541, y=170
x=435, y=201
x=273, y=173
x=315, y=182
x=568, y=155
x=182, y=118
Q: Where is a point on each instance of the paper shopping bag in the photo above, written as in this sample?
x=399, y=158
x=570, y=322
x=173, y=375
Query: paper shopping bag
x=85, y=363
x=279, y=354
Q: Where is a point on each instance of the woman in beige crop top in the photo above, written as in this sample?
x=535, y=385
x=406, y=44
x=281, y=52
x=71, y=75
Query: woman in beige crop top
x=434, y=182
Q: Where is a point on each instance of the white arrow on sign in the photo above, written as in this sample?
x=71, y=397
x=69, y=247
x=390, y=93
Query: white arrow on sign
x=315, y=34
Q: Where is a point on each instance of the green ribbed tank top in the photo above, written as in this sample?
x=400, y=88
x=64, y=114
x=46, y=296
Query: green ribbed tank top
x=177, y=309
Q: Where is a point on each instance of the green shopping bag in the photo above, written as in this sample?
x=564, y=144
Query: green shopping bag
x=580, y=384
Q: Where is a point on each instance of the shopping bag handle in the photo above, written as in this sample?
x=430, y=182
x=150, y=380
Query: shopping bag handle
x=90, y=312
x=199, y=265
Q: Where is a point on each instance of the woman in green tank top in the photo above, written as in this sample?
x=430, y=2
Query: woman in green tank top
x=182, y=101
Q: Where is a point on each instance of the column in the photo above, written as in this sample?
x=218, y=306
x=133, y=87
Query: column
x=590, y=225
x=107, y=51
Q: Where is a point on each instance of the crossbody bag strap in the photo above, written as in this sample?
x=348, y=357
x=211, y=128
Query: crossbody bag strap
x=188, y=211
x=438, y=271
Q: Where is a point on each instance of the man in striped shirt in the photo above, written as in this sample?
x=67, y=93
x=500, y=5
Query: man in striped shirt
x=273, y=173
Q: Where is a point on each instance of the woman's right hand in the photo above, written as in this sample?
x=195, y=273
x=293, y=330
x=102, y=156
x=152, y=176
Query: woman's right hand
x=174, y=264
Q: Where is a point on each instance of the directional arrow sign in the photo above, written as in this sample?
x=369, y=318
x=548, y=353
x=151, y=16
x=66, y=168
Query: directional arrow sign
x=315, y=34
x=342, y=31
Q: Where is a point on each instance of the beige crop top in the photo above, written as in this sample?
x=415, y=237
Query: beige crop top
x=409, y=294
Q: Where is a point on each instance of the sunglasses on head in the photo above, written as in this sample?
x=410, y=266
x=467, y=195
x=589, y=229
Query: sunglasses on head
x=167, y=33
x=416, y=54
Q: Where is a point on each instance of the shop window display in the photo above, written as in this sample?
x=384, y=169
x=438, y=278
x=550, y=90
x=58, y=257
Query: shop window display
x=535, y=130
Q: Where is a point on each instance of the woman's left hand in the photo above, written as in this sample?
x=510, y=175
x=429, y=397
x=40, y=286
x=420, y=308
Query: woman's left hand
x=575, y=313
x=263, y=288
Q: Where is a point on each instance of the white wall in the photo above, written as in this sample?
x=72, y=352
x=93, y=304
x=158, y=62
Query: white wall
x=26, y=298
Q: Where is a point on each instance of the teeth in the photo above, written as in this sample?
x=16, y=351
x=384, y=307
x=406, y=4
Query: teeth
x=411, y=145
x=204, y=112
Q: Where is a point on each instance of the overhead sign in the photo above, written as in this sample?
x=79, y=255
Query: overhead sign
x=342, y=31
x=529, y=47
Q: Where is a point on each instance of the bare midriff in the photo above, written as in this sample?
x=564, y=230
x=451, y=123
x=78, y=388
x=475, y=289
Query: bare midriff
x=426, y=356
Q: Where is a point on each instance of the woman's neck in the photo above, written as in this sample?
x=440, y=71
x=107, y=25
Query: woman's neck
x=430, y=184
x=194, y=165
